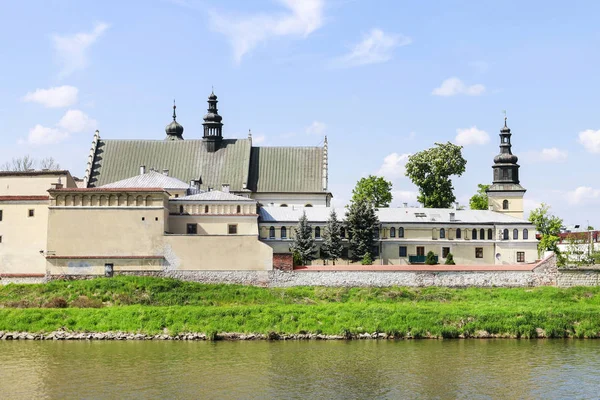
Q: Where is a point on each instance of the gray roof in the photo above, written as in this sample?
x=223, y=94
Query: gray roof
x=286, y=169
x=151, y=179
x=392, y=215
x=214, y=195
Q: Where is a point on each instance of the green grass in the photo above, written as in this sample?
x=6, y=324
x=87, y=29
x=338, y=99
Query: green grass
x=151, y=305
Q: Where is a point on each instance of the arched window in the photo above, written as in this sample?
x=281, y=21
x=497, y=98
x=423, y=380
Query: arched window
x=490, y=234
x=505, y=205
x=343, y=232
x=392, y=232
x=239, y=209
x=442, y=233
x=317, y=232
x=283, y=232
x=515, y=234
x=525, y=234
x=272, y=232
x=482, y=234
x=505, y=234
x=308, y=205
x=458, y=233
x=205, y=209
x=376, y=233
x=180, y=209
x=283, y=205
x=474, y=234
x=400, y=232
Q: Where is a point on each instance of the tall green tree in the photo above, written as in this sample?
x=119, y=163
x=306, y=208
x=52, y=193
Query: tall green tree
x=431, y=170
x=479, y=201
x=332, y=246
x=303, y=245
x=374, y=189
x=361, y=222
x=548, y=226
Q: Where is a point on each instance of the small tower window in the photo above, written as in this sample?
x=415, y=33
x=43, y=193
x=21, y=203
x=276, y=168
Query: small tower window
x=392, y=232
x=272, y=232
x=515, y=234
x=317, y=232
x=505, y=205
x=525, y=234
x=442, y=233
x=283, y=232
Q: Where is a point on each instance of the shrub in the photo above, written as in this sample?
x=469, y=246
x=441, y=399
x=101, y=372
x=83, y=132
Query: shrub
x=450, y=259
x=56, y=302
x=430, y=259
x=297, y=259
x=367, y=260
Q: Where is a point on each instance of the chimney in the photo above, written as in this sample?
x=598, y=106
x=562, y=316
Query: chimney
x=57, y=185
x=456, y=205
x=452, y=217
x=405, y=205
x=225, y=187
x=142, y=169
x=165, y=172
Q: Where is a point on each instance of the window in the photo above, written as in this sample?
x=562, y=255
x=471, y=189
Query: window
x=180, y=209
x=343, y=232
x=0, y=215
x=504, y=174
x=478, y=252
x=474, y=234
x=392, y=232
x=520, y=256
x=317, y=232
x=31, y=212
x=505, y=234
x=0, y=239
x=525, y=233
x=400, y=232
x=283, y=232
x=482, y=234
x=420, y=250
x=283, y=205
x=205, y=209
x=192, y=229
x=515, y=234
x=143, y=218
x=308, y=205
x=442, y=233
x=445, y=252
x=176, y=196
x=490, y=234
x=232, y=229
x=505, y=205
x=458, y=233
x=156, y=218
x=376, y=233
x=239, y=209
x=403, y=251
x=272, y=232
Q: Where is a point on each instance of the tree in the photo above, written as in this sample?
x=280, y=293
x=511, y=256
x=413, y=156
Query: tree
x=49, y=163
x=430, y=258
x=361, y=222
x=431, y=170
x=304, y=244
x=332, y=238
x=24, y=163
x=375, y=189
x=548, y=226
x=450, y=259
x=479, y=201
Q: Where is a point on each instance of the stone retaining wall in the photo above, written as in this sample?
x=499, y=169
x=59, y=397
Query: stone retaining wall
x=581, y=277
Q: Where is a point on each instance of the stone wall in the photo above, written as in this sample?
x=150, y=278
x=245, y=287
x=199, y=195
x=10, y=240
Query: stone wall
x=579, y=277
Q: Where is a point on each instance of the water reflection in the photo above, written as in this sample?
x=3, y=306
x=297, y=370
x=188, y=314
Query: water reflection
x=475, y=369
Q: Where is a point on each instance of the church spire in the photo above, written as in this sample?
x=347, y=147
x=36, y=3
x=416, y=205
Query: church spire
x=174, y=130
x=213, y=127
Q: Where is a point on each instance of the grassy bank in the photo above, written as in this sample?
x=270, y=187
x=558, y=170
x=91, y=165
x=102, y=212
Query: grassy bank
x=151, y=305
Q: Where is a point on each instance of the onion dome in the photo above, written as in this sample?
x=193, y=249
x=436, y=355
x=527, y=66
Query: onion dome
x=174, y=130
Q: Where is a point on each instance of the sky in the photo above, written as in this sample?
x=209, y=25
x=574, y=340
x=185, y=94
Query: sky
x=382, y=79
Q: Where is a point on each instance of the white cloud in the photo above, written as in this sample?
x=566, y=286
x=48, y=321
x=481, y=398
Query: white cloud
x=246, y=32
x=316, y=128
x=76, y=121
x=393, y=166
x=472, y=135
x=582, y=194
x=453, y=86
x=258, y=139
x=39, y=135
x=530, y=204
x=375, y=47
x=60, y=96
x=71, y=50
x=546, y=155
x=404, y=196
x=590, y=139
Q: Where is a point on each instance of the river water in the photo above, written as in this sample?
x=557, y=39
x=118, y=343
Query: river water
x=440, y=369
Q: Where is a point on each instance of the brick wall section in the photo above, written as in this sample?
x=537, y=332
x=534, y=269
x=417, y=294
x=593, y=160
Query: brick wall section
x=283, y=261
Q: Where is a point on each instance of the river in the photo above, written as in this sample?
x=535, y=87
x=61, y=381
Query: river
x=440, y=369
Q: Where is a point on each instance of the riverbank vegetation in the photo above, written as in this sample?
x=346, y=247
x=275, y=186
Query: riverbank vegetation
x=156, y=305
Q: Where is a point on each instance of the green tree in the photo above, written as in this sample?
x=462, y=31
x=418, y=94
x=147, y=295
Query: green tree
x=450, y=259
x=332, y=238
x=548, y=226
x=430, y=258
x=361, y=222
x=374, y=189
x=304, y=244
x=431, y=170
x=479, y=201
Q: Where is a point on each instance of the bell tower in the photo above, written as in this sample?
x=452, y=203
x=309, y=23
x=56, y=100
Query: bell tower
x=213, y=127
x=506, y=194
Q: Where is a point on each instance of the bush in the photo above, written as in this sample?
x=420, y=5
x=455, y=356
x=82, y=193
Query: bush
x=450, y=259
x=366, y=260
x=296, y=259
x=56, y=302
x=430, y=259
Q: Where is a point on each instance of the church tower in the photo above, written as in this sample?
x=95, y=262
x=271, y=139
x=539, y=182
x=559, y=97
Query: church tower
x=174, y=130
x=213, y=127
x=506, y=194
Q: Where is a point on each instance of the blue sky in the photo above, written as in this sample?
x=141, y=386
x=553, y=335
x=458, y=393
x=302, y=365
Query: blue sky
x=382, y=79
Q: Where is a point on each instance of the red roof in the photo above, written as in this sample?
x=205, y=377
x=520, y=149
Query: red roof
x=107, y=190
x=23, y=198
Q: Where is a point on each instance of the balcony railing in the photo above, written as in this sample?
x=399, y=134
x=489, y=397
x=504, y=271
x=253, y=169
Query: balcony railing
x=413, y=259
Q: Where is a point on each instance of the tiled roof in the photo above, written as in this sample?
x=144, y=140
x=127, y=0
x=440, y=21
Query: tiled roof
x=151, y=179
x=24, y=198
x=214, y=195
x=102, y=189
x=389, y=215
x=286, y=169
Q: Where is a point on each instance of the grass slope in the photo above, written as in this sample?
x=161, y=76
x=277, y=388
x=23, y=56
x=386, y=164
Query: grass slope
x=151, y=305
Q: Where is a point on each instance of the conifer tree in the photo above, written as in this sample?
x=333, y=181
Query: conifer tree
x=304, y=244
x=430, y=258
x=361, y=222
x=332, y=238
